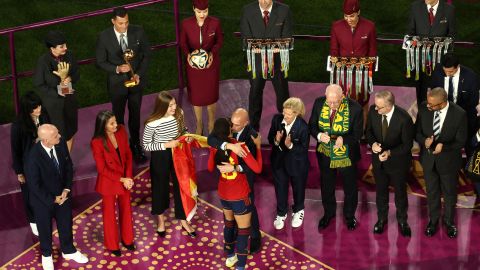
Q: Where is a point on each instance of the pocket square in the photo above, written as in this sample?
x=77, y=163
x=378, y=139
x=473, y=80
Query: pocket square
x=444, y=21
x=279, y=24
x=211, y=34
x=364, y=37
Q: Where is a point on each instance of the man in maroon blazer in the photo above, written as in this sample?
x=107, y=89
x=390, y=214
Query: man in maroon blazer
x=354, y=37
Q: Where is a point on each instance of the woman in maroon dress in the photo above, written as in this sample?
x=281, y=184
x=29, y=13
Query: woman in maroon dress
x=202, y=32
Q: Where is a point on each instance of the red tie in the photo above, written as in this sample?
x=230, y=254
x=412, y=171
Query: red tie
x=332, y=116
x=431, y=17
x=266, y=17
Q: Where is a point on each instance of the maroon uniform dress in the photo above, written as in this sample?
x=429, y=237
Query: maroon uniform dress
x=361, y=42
x=202, y=84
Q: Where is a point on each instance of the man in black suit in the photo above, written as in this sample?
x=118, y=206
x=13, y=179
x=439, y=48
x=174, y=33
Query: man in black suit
x=266, y=19
x=49, y=171
x=337, y=124
x=430, y=18
x=441, y=132
x=461, y=84
x=289, y=138
x=243, y=132
x=390, y=133
x=111, y=45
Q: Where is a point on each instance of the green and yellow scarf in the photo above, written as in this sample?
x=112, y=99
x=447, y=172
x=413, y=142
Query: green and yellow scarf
x=338, y=157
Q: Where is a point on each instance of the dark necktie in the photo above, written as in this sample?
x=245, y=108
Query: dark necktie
x=266, y=17
x=332, y=116
x=431, y=17
x=436, y=125
x=123, y=44
x=384, y=127
x=54, y=160
x=450, y=89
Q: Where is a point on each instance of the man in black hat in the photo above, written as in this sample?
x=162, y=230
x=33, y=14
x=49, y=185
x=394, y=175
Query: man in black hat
x=111, y=45
x=56, y=69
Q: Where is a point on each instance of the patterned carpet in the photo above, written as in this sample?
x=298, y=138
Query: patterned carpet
x=175, y=251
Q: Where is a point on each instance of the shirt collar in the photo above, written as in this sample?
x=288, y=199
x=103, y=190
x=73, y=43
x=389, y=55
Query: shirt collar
x=291, y=124
x=47, y=148
x=269, y=10
x=434, y=6
x=118, y=33
x=444, y=110
x=389, y=115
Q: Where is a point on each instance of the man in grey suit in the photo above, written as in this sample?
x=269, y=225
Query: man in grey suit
x=111, y=45
x=441, y=129
x=430, y=18
x=266, y=19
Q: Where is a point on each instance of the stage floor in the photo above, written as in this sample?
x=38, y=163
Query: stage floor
x=302, y=248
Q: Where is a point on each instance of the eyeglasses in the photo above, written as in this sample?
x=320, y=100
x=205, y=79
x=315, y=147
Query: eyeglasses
x=379, y=108
x=431, y=106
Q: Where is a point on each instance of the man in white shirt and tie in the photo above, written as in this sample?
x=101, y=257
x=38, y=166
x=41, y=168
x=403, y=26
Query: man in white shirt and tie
x=461, y=84
x=441, y=131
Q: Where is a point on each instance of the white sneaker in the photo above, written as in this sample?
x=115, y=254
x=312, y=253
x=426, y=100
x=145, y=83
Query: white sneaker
x=47, y=263
x=297, y=219
x=34, y=228
x=77, y=257
x=231, y=261
x=279, y=222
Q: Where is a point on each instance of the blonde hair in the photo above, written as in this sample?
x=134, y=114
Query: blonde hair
x=295, y=104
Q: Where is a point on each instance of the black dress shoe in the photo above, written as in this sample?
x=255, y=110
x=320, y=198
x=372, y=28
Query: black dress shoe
x=130, y=247
x=405, y=229
x=255, y=245
x=161, y=233
x=351, y=223
x=116, y=252
x=324, y=221
x=379, y=226
x=191, y=234
x=451, y=230
x=431, y=228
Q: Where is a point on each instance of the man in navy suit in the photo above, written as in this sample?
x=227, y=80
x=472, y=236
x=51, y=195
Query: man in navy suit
x=461, y=84
x=289, y=138
x=243, y=132
x=390, y=133
x=49, y=172
x=111, y=45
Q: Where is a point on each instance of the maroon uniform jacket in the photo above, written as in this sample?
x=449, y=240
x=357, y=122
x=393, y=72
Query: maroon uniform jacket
x=361, y=42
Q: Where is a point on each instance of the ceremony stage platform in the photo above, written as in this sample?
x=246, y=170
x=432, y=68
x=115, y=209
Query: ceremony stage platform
x=302, y=248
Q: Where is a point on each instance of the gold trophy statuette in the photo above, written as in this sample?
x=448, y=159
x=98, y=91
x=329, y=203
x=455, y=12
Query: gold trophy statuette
x=128, y=55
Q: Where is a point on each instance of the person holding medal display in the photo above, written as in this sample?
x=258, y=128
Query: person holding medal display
x=336, y=123
x=201, y=38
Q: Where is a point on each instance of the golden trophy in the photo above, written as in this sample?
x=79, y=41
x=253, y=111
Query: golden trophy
x=128, y=55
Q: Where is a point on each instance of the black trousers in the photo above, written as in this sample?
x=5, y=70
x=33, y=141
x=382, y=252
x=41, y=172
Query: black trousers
x=132, y=97
x=27, y=204
x=255, y=98
x=63, y=216
x=281, y=179
x=161, y=170
x=399, y=181
x=438, y=183
x=327, y=185
x=255, y=224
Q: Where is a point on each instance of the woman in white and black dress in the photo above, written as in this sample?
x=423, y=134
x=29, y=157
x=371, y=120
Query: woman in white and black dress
x=162, y=129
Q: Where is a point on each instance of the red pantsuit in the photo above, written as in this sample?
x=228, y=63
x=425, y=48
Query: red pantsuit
x=112, y=166
x=361, y=42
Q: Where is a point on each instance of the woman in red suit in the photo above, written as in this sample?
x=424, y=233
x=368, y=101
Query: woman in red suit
x=113, y=159
x=202, y=32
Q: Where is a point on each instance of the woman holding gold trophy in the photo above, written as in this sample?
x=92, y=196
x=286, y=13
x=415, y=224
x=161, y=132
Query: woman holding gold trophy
x=56, y=72
x=201, y=39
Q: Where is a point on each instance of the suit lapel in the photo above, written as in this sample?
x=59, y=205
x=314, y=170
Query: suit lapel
x=114, y=40
x=448, y=119
x=112, y=150
x=132, y=39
